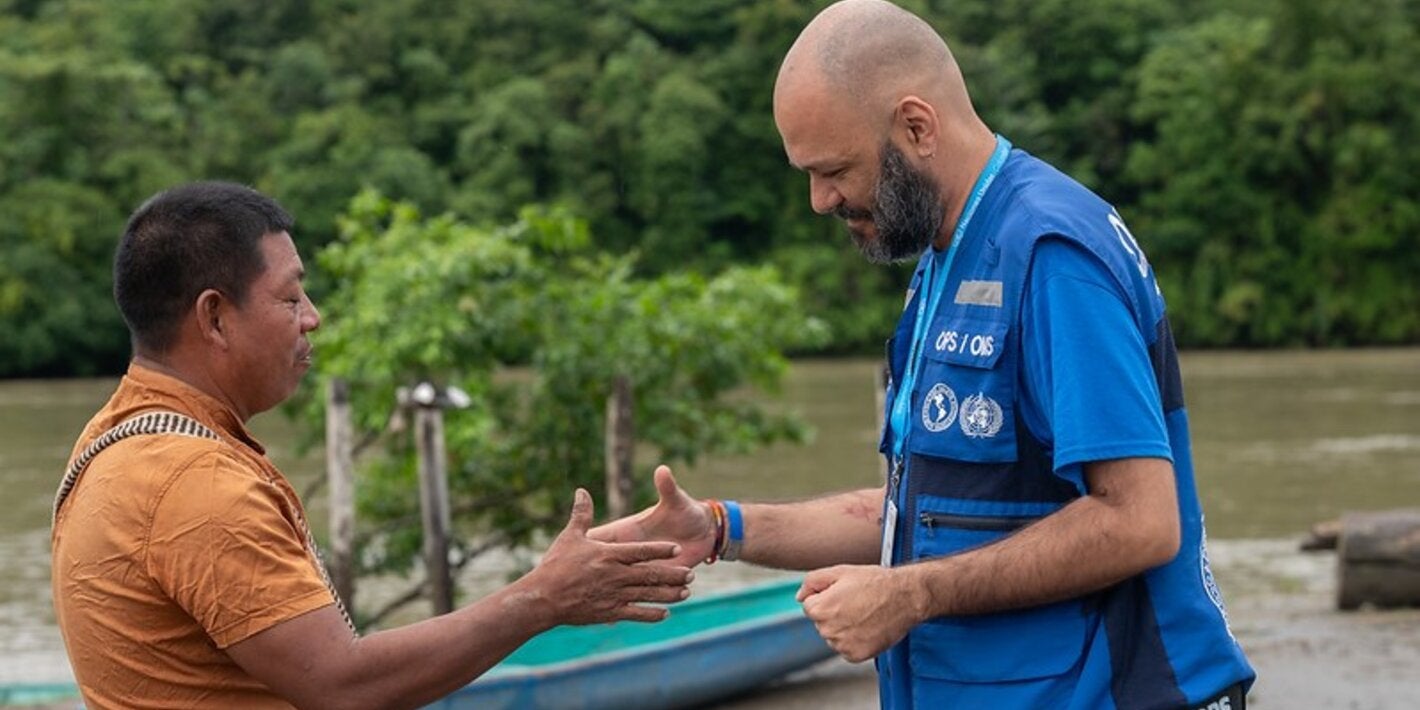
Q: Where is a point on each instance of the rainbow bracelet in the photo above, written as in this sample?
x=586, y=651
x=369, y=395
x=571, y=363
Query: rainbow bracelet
x=717, y=513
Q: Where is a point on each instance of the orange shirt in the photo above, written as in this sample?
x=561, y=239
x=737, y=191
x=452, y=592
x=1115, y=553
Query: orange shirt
x=172, y=548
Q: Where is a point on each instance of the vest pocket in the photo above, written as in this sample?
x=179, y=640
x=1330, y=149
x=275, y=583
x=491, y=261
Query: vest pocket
x=971, y=342
x=1027, y=644
x=965, y=408
x=1040, y=642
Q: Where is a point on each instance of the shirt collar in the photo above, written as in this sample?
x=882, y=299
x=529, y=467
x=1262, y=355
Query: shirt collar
x=163, y=390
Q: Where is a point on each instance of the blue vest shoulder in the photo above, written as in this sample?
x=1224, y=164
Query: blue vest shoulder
x=1037, y=201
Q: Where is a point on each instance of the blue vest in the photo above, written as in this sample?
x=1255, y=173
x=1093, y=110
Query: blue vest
x=974, y=473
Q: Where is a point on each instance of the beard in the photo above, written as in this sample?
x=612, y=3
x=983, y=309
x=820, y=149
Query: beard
x=907, y=210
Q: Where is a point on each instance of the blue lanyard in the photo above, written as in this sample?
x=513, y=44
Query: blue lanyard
x=930, y=288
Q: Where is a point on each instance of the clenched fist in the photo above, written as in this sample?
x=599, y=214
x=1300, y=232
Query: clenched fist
x=858, y=609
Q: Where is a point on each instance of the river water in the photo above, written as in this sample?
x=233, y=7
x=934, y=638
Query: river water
x=1282, y=440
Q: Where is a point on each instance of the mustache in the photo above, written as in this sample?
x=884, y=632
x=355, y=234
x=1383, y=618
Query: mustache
x=845, y=213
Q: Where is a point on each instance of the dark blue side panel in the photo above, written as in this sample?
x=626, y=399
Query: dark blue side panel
x=1143, y=676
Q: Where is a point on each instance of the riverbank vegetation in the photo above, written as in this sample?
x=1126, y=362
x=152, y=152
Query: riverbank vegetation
x=439, y=300
x=1262, y=150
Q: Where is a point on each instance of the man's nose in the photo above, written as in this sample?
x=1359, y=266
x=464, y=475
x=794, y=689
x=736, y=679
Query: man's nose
x=823, y=196
x=310, y=315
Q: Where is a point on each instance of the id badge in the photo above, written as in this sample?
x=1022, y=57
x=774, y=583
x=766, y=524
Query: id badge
x=889, y=532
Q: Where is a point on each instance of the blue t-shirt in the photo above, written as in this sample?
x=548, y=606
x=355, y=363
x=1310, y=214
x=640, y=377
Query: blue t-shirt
x=1090, y=393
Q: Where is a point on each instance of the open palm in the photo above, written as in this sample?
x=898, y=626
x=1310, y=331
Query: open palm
x=676, y=517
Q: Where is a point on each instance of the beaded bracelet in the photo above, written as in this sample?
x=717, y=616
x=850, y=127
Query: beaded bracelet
x=717, y=511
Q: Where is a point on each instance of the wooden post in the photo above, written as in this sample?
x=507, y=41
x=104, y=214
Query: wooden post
x=1378, y=559
x=434, y=504
x=340, y=473
x=620, y=442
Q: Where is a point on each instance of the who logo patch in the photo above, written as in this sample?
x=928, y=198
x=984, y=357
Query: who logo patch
x=981, y=416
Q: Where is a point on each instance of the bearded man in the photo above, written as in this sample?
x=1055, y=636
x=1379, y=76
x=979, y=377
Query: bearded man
x=1039, y=541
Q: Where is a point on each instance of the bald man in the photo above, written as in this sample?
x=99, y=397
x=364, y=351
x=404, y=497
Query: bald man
x=1039, y=542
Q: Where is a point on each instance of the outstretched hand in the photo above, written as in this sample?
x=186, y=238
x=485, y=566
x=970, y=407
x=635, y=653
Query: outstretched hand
x=675, y=517
x=586, y=581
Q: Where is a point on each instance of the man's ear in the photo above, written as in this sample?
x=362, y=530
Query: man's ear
x=918, y=120
x=210, y=313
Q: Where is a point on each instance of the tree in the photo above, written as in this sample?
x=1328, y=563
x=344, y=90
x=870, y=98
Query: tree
x=57, y=240
x=1260, y=148
x=438, y=299
x=1279, y=193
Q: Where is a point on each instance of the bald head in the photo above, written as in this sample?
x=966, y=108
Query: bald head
x=871, y=105
x=871, y=53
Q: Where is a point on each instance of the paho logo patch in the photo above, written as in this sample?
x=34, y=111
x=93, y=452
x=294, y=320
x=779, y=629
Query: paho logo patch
x=981, y=416
x=939, y=408
x=1209, y=583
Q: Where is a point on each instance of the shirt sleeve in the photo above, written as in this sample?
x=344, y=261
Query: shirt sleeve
x=1090, y=390
x=222, y=548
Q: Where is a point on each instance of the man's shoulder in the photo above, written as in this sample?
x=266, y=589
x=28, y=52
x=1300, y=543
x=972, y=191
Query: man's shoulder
x=213, y=468
x=215, y=489
x=130, y=482
x=143, y=469
x=1049, y=201
x=142, y=438
x=1044, y=205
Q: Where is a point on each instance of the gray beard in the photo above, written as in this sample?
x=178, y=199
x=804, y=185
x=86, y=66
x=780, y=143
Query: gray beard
x=907, y=211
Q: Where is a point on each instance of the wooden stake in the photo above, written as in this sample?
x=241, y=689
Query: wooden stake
x=620, y=442
x=434, y=504
x=340, y=472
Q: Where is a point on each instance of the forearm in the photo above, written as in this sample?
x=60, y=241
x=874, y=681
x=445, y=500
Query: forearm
x=417, y=664
x=845, y=528
x=1090, y=544
x=313, y=660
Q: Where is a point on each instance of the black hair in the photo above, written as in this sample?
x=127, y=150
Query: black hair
x=185, y=240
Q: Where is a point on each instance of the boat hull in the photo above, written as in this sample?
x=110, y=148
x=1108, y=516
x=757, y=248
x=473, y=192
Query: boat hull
x=684, y=671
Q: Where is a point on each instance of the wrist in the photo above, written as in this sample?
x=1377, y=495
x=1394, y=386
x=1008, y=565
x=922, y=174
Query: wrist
x=528, y=601
x=915, y=588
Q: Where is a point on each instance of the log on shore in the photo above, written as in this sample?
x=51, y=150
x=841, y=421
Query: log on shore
x=1378, y=559
x=1325, y=535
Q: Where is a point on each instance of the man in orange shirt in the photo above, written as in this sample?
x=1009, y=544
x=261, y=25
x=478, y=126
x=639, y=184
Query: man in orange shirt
x=184, y=574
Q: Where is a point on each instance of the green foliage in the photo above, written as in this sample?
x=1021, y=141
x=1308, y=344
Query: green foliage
x=1281, y=187
x=441, y=300
x=1261, y=149
x=54, y=247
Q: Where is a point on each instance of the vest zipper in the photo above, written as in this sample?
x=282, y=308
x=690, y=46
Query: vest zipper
x=975, y=522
